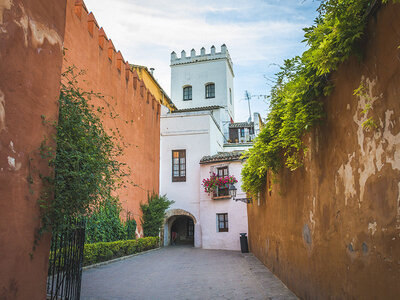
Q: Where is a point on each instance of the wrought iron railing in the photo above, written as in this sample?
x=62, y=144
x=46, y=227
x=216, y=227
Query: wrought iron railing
x=220, y=192
x=65, y=262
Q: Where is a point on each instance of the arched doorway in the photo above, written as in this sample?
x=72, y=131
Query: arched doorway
x=183, y=230
x=181, y=222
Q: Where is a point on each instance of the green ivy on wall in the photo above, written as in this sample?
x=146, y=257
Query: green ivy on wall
x=87, y=171
x=295, y=100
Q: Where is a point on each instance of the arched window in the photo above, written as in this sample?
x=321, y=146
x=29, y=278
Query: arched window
x=187, y=93
x=210, y=90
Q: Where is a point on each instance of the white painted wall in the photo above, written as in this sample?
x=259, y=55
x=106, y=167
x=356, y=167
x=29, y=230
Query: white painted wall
x=237, y=147
x=201, y=133
x=199, y=70
x=237, y=212
x=198, y=134
x=190, y=133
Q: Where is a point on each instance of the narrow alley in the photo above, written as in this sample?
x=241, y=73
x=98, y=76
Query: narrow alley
x=184, y=272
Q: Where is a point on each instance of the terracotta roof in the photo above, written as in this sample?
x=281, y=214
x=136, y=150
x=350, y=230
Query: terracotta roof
x=221, y=156
x=198, y=108
x=241, y=124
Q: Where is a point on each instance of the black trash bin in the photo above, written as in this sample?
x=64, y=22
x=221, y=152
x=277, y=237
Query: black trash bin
x=243, y=243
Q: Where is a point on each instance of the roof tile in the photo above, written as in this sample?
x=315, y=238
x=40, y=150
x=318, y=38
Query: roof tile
x=221, y=156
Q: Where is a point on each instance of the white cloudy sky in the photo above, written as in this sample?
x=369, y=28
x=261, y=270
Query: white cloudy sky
x=259, y=35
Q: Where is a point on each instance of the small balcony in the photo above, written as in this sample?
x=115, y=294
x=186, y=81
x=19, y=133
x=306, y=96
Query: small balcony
x=221, y=193
x=216, y=186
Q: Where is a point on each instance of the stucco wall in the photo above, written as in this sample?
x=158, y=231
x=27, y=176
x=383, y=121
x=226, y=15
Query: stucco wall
x=31, y=38
x=138, y=111
x=190, y=133
x=197, y=133
x=209, y=208
x=198, y=74
x=331, y=230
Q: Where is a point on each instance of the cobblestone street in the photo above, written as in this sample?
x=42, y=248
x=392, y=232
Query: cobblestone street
x=184, y=272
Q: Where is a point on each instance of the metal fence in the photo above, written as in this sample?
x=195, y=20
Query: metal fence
x=65, y=262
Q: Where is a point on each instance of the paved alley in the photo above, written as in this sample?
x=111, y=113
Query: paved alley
x=184, y=272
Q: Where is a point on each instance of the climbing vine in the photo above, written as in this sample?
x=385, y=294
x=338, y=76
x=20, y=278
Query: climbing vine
x=362, y=92
x=295, y=99
x=85, y=160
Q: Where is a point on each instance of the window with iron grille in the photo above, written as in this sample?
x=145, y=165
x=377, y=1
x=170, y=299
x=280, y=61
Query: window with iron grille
x=222, y=220
x=210, y=90
x=241, y=132
x=187, y=93
x=178, y=165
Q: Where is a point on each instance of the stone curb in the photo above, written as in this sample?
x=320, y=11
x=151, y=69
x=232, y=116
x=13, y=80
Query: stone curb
x=117, y=259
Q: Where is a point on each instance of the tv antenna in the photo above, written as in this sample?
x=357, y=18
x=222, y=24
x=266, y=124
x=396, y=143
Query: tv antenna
x=248, y=97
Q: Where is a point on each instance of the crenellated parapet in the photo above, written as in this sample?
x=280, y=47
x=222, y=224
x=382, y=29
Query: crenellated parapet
x=114, y=57
x=213, y=55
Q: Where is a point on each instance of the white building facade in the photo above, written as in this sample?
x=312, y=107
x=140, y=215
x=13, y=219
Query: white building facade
x=194, y=143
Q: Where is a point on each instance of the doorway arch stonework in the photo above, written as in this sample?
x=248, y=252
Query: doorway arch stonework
x=178, y=212
x=170, y=217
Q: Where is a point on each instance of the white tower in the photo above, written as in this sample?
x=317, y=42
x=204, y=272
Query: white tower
x=204, y=80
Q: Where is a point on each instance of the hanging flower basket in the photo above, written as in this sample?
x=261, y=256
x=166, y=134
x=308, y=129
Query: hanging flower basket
x=214, y=183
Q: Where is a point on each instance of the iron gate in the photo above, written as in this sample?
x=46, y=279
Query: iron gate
x=65, y=262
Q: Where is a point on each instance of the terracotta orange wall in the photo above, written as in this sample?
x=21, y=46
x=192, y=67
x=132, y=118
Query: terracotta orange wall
x=31, y=37
x=331, y=230
x=139, y=113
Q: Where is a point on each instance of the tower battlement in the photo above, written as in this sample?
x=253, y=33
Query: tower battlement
x=192, y=58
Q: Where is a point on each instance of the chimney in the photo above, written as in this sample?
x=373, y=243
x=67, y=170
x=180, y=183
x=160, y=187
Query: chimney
x=151, y=71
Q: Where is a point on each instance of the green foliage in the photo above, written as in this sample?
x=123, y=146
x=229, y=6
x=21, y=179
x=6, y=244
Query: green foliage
x=86, y=168
x=98, y=252
x=295, y=100
x=130, y=227
x=154, y=213
x=104, y=224
x=362, y=92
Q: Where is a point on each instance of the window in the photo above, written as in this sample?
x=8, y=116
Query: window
x=223, y=172
x=222, y=220
x=187, y=93
x=241, y=132
x=210, y=90
x=190, y=227
x=178, y=165
x=230, y=95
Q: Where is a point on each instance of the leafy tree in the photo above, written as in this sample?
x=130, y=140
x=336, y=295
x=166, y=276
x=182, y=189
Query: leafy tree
x=154, y=214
